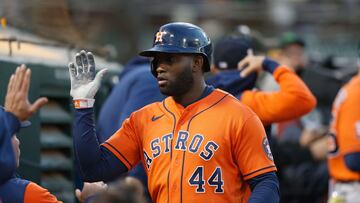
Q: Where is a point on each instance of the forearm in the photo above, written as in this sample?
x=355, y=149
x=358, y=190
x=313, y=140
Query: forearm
x=265, y=189
x=279, y=106
x=95, y=163
x=293, y=91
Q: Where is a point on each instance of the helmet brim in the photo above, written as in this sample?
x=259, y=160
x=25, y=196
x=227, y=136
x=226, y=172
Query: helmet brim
x=168, y=49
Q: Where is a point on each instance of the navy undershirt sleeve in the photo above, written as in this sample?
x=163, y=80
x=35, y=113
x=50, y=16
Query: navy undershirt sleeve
x=270, y=65
x=9, y=125
x=265, y=188
x=352, y=161
x=95, y=162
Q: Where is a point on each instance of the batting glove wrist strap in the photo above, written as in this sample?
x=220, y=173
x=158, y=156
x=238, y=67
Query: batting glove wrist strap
x=83, y=103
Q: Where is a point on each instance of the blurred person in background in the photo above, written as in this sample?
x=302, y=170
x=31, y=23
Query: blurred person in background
x=344, y=144
x=136, y=88
x=303, y=142
x=291, y=53
x=291, y=101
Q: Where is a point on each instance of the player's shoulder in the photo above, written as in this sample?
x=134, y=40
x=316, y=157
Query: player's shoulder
x=36, y=193
x=350, y=91
x=353, y=85
x=33, y=187
x=149, y=109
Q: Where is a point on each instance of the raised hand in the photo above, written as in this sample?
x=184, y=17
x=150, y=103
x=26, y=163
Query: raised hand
x=84, y=82
x=250, y=64
x=16, y=99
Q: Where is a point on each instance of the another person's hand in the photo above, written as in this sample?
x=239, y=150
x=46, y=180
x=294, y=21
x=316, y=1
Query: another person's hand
x=250, y=64
x=90, y=189
x=319, y=148
x=16, y=99
x=84, y=83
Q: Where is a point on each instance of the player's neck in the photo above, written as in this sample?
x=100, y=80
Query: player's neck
x=192, y=95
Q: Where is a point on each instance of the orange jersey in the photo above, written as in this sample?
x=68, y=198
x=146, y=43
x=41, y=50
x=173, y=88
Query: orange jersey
x=35, y=193
x=202, y=153
x=293, y=100
x=345, y=130
x=21, y=190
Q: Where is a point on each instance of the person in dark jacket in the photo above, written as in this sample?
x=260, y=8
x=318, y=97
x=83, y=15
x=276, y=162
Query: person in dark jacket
x=137, y=87
x=15, y=114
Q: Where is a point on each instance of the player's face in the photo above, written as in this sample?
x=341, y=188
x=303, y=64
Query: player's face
x=297, y=57
x=174, y=73
x=16, y=146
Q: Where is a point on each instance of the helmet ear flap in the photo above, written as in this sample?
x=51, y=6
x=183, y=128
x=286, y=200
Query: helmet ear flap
x=154, y=64
x=207, y=57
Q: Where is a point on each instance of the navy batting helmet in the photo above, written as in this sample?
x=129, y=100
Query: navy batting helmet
x=180, y=38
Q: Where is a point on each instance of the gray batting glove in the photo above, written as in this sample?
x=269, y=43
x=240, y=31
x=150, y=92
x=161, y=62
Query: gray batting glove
x=84, y=82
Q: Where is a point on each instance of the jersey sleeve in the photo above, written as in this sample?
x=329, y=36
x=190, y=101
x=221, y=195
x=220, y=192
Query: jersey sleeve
x=293, y=100
x=125, y=144
x=252, y=150
x=35, y=193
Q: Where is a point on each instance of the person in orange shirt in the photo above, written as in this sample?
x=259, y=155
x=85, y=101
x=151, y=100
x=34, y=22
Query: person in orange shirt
x=344, y=144
x=233, y=53
x=199, y=144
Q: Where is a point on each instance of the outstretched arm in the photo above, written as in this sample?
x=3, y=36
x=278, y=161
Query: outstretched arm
x=293, y=100
x=95, y=162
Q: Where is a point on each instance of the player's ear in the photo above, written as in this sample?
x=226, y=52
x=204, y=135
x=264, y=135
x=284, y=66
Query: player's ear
x=198, y=62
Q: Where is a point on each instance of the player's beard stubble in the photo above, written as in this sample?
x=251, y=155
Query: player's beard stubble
x=180, y=85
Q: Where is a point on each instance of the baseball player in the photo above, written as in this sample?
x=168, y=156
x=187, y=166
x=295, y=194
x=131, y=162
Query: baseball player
x=199, y=144
x=344, y=144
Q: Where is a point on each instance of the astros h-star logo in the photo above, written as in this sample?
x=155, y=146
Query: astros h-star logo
x=159, y=36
